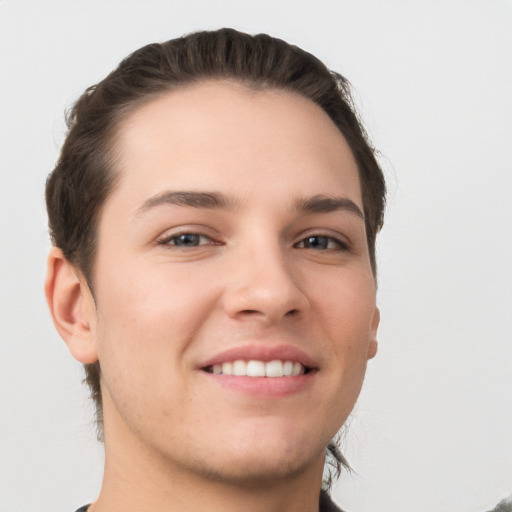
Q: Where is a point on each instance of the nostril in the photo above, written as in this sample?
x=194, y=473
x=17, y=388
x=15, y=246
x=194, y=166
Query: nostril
x=292, y=312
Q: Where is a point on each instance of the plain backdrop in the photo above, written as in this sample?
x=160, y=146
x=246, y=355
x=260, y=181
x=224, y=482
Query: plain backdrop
x=432, y=430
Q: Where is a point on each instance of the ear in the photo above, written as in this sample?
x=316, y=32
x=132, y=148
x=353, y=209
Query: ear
x=372, y=347
x=71, y=306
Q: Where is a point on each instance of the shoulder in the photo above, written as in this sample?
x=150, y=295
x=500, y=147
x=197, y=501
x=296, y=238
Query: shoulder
x=326, y=504
x=83, y=509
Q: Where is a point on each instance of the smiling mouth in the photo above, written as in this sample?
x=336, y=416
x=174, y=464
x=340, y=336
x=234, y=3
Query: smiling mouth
x=255, y=368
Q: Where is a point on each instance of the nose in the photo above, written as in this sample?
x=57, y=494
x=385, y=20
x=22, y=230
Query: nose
x=263, y=285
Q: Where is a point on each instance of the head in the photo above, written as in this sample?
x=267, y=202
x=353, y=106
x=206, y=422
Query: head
x=166, y=78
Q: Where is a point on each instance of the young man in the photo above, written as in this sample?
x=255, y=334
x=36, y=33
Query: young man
x=213, y=215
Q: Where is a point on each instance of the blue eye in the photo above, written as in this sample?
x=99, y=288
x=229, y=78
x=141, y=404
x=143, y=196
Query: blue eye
x=321, y=243
x=185, y=240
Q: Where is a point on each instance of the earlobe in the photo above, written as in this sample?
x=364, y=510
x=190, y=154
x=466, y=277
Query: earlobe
x=373, y=345
x=71, y=306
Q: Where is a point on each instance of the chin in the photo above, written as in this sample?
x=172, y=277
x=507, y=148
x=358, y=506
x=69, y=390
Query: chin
x=258, y=465
x=251, y=473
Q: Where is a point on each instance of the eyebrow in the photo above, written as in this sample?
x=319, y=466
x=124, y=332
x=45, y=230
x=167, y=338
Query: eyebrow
x=208, y=200
x=215, y=200
x=325, y=204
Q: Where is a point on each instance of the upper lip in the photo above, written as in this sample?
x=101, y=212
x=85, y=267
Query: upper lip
x=263, y=353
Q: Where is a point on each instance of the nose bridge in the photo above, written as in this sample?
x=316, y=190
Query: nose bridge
x=264, y=283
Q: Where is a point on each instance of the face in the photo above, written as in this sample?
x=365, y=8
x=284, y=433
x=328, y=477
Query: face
x=235, y=302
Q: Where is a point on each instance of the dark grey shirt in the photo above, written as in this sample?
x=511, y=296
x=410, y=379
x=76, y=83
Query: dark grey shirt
x=326, y=504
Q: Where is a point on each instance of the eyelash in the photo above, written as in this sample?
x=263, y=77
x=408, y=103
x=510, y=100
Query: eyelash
x=168, y=239
x=339, y=243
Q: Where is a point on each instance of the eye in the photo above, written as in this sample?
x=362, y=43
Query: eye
x=321, y=243
x=186, y=240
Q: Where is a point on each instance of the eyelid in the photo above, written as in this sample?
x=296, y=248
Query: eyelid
x=169, y=235
x=342, y=241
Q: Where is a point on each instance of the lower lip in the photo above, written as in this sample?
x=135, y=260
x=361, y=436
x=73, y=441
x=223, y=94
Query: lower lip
x=264, y=387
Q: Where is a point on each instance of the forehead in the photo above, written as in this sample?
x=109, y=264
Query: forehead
x=224, y=134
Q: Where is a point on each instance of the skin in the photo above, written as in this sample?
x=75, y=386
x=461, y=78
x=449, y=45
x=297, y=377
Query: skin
x=263, y=273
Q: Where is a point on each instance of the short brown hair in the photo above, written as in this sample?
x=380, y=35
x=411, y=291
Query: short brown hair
x=84, y=175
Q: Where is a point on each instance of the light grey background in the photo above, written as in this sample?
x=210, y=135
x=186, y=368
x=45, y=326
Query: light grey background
x=433, y=427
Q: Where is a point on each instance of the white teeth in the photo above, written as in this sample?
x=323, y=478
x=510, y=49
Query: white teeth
x=287, y=368
x=239, y=368
x=297, y=369
x=227, y=368
x=274, y=369
x=254, y=368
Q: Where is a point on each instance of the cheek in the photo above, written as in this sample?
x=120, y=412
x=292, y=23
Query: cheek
x=143, y=333
x=159, y=299
x=345, y=311
x=146, y=319
x=345, y=304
